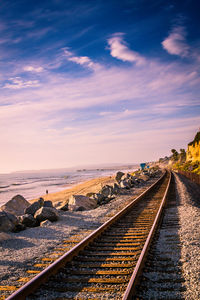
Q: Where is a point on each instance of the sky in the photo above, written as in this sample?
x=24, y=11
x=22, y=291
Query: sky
x=94, y=82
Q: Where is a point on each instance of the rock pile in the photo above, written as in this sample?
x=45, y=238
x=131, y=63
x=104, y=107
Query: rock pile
x=124, y=181
x=18, y=214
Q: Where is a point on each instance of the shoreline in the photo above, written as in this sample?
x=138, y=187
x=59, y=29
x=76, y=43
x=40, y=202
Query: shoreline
x=32, y=186
x=88, y=186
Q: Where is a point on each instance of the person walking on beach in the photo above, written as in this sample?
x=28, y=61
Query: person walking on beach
x=46, y=192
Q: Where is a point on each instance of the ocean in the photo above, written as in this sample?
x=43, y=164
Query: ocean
x=34, y=184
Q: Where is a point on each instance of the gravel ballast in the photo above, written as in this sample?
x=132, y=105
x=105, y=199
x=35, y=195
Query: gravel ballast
x=189, y=233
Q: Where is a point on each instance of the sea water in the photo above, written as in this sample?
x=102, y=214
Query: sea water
x=34, y=184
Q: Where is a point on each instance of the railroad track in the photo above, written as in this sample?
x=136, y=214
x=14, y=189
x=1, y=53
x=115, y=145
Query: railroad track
x=108, y=263
x=162, y=276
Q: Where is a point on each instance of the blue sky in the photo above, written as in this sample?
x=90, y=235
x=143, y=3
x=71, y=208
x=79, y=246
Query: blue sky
x=88, y=82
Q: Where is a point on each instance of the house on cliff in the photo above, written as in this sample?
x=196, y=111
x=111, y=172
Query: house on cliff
x=193, y=151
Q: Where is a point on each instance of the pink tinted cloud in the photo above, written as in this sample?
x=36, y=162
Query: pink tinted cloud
x=175, y=43
x=19, y=83
x=81, y=60
x=119, y=49
x=33, y=69
x=164, y=81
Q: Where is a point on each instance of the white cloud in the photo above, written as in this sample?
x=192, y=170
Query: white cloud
x=175, y=43
x=19, y=83
x=33, y=69
x=120, y=50
x=179, y=78
x=81, y=60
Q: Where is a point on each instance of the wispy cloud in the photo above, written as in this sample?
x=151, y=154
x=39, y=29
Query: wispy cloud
x=81, y=60
x=165, y=82
x=175, y=43
x=19, y=83
x=119, y=49
x=38, y=34
x=124, y=114
x=33, y=69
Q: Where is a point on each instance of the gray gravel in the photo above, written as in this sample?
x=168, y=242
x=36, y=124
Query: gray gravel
x=162, y=277
x=189, y=216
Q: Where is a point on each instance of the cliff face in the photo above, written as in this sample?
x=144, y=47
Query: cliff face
x=193, y=151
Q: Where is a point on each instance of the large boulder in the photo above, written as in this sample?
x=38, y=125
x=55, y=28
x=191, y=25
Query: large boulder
x=119, y=176
x=134, y=180
x=98, y=197
x=19, y=227
x=8, y=222
x=107, y=191
x=28, y=220
x=14, y=219
x=80, y=202
x=16, y=205
x=48, y=203
x=115, y=188
x=90, y=194
x=46, y=213
x=31, y=210
x=125, y=184
x=63, y=206
x=126, y=176
x=144, y=177
x=41, y=201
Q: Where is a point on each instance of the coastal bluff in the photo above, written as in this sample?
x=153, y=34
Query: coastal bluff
x=193, y=151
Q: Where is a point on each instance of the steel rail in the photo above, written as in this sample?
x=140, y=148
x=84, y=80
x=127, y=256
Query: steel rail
x=131, y=288
x=53, y=268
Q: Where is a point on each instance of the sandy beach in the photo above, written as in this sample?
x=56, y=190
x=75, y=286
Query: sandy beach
x=89, y=186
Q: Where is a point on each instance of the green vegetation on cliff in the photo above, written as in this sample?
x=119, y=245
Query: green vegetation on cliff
x=178, y=157
x=196, y=139
x=188, y=166
x=185, y=161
